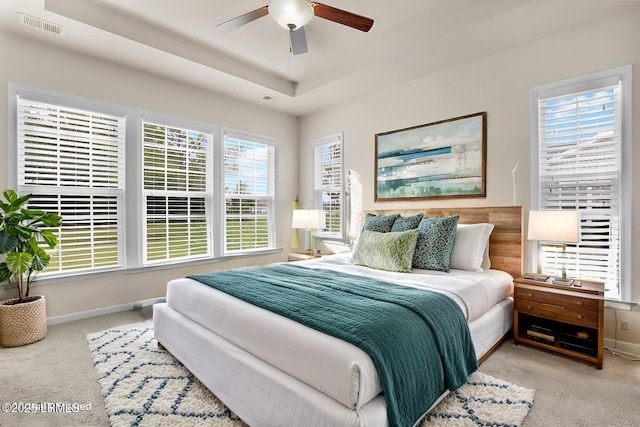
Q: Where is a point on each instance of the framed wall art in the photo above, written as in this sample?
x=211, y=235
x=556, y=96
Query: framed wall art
x=445, y=159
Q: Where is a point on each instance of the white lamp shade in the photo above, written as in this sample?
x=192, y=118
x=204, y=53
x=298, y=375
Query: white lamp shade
x=309, y=219
x=291, y=12
x=554, y=226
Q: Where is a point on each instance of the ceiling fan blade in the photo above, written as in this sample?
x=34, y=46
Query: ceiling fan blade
x=239, y=21
x=298, y=41
x=343, y=17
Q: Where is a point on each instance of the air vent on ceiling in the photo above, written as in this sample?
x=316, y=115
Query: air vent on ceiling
x=39, y=24
x=267, y=98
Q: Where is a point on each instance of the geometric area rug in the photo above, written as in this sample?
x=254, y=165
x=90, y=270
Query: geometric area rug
x=144, y=385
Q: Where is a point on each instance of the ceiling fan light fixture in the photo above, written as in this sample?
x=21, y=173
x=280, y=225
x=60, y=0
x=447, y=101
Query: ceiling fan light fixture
x=291, y=14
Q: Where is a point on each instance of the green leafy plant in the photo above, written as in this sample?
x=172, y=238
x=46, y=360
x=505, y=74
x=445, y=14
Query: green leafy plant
x=22, y=231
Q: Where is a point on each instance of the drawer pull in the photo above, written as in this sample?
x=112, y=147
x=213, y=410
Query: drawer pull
x=559, y=307
x=579, y=316
x=529, y=294
x=579, y=303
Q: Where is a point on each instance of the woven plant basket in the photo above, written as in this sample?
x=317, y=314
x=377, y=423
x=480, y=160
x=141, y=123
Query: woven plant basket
x=24, y=323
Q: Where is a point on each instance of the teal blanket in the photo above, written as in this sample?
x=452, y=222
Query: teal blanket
x=419, y=340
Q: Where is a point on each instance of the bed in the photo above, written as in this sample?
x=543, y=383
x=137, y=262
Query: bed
x=273, y=371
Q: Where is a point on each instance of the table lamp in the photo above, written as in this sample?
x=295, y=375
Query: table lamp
x=308, y=219
x=558, y=227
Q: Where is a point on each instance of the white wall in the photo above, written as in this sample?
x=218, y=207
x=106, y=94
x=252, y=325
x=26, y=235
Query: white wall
x=30, y=63
x=498, y=84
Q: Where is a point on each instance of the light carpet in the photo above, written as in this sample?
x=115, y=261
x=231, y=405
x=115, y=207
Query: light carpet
x=144, y=385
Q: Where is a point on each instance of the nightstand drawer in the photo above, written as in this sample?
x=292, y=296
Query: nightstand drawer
x=555, y=298
x=558, y=312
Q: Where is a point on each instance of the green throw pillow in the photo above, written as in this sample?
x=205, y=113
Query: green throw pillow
x=392, y=251
x=435, y=243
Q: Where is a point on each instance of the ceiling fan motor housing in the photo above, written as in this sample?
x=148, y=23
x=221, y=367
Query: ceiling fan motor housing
x=291, y=14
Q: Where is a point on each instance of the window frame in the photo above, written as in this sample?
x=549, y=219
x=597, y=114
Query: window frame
x=318, y=144
x=575, y=85
x=72, y=102
x=273, y=167
x=131, y=260
x=184, y=124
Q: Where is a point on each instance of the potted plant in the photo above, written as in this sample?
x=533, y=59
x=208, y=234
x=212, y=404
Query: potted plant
x=23, y=320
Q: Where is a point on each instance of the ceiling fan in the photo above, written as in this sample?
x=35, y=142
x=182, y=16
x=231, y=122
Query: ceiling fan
x=293, y=15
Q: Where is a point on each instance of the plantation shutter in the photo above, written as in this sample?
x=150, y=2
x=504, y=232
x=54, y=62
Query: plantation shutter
x=580, y=169
x=354, y=204
x=328, y=183
x=72, y=161
x=175, y=193
x=249, y=176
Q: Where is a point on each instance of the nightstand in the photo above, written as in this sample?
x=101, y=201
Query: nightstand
x=294, y=256
x=561, y=318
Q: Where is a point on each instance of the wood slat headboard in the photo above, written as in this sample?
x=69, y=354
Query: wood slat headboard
x=506, y=241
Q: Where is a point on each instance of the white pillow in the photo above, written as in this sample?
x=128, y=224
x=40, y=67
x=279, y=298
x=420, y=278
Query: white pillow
x=486, y=261
x=472, y=241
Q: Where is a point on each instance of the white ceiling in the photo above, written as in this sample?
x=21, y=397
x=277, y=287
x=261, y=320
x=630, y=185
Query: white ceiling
x=409, y=39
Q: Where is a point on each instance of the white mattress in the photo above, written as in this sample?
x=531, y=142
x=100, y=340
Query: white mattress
x=342, y=371
x=280, y=342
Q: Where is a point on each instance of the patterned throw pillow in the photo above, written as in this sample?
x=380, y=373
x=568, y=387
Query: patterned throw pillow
x=391, y=251
x=435, y=243
x=379, y=223
x=405, y=223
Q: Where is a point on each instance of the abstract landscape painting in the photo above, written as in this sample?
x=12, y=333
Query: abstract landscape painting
x=444, y=159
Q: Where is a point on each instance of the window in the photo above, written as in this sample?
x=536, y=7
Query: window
x=249, y=168
x=139, y=189
x=580, y=141
x=71, y=158
x=176, y=194
x=328, y=183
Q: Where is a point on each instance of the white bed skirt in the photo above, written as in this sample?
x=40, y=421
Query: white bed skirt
x=257, y=392
x=489, y=329
x=263, y=395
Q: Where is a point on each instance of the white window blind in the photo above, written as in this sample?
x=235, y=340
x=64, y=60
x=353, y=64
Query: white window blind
x=329, y=183
x=580, y=168
x=249, y=170
x=175, y=193
x=138, y=193
x=72, y=161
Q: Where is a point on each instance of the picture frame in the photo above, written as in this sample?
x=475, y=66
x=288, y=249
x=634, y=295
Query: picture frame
x=440, y=160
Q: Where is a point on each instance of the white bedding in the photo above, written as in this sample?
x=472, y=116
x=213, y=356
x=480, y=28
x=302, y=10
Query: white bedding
x=341, y=370
x=475, y=292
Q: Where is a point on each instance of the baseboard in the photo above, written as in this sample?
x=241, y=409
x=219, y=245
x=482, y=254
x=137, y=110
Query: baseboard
x=56, y=320
x=626, y=349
